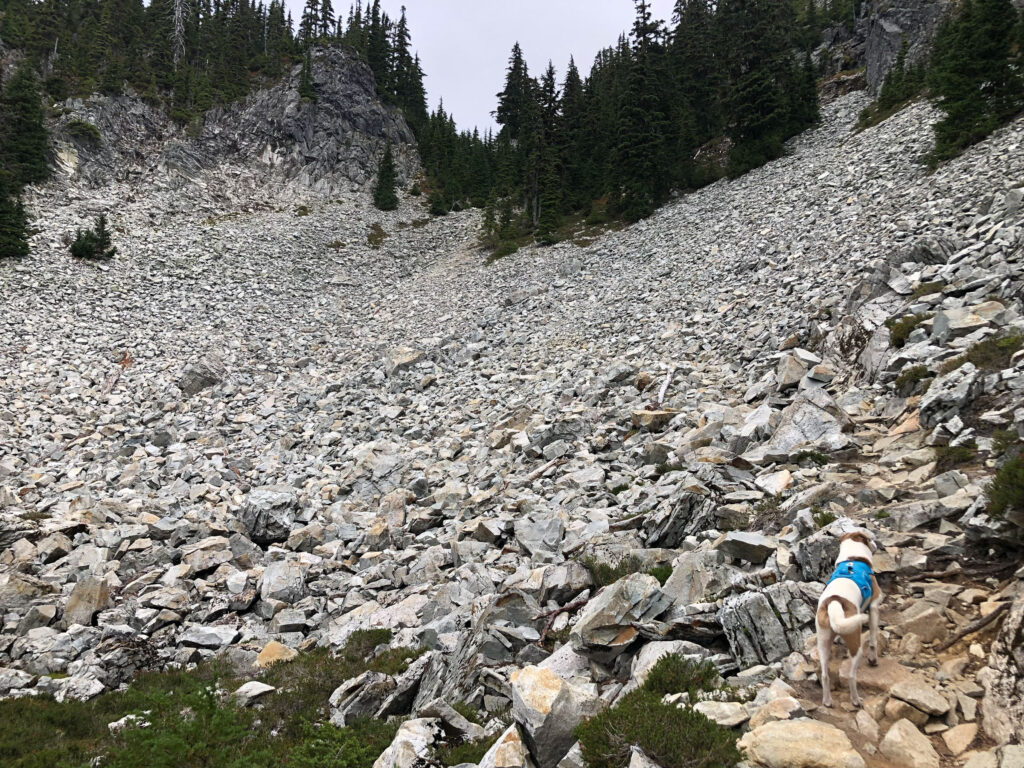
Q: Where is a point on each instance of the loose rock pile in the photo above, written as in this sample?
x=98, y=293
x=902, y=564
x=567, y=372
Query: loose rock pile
x=254, y=434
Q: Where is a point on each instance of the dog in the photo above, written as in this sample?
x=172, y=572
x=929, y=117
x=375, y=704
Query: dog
x=851, y=590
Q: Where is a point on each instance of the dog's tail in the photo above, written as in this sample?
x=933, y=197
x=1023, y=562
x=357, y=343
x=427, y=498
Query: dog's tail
x=840, y=623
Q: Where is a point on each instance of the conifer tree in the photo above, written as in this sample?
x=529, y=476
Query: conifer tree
x=513, y=100
x=23, y=136
x=326, y=28
x=973, y=76
x=384, y=195
x=13, y=225
x=306, y=90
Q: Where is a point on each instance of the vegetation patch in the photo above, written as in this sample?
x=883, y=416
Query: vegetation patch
x=93, y=243
x=821, y=517
x=671, y=736
x=337, y=245
x=604, y=573
x=376, y=236
x=900, y=328
x=1003, y=440
x=84, y=131
x=927, y=289
x=949, y=456
x=811, y=457
x=193, y=723
x=303, y=210
x=1006, y=491
x=906, y=383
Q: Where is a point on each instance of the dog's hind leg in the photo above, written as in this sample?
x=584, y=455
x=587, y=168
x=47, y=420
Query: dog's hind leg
x=876, y=598
x=854, y=695
x=825, y=638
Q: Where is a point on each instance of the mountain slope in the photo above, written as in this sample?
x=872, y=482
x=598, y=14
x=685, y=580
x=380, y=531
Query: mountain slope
x=434, y=444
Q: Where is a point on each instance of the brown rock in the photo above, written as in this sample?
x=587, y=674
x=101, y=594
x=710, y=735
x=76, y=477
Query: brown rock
x=907, y=746
x=800, y=744
x=273, y=652
x=921, y=695
x=877, y=678
x=89, y=596
x=958, y=739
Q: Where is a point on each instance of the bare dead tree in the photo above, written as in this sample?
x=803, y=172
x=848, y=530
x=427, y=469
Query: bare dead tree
x=180, y=11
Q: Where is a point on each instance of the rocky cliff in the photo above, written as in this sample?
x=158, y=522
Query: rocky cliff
x=327, y=145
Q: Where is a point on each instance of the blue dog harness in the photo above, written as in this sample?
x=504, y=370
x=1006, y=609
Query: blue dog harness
x=859, y=573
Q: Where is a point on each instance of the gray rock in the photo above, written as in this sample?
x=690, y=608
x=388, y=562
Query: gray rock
x=764, y=627
x=1003, y=705
x=548, y=709
x=605, y=627
x=752, y=547
x=268, y=513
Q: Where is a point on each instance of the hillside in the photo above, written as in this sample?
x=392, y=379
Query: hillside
x=255, y=425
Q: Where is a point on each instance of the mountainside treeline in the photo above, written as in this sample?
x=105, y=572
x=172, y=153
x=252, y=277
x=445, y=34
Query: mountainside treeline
x=186, y=55
x=191, y=54
x=655, y=113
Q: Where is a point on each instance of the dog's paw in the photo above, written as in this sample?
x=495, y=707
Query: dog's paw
x=827, y=702
x=856, y=702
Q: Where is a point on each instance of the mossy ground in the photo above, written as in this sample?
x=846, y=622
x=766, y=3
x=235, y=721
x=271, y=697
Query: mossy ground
x=193, y=724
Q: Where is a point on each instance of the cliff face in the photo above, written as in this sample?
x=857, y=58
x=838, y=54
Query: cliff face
x=886, y=24
x=328, y=145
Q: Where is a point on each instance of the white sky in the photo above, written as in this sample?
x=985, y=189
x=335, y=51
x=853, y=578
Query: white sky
x=464, y=45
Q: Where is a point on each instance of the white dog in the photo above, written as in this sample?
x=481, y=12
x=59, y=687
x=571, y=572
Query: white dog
x=851, y=591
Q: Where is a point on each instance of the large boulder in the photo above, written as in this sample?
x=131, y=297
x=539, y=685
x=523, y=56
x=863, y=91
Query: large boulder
x=799, y=744
x=606, y=628
x=905, y=745
x=948, y=394
x=548, y=709
x=812, y=422
x=284, y=580
x=268, y=513
x=1003, y=705
x=206, y=371
x=90, y=596
x=362, y=696
x=411, y=745
x=509, y=751
x=766, y=626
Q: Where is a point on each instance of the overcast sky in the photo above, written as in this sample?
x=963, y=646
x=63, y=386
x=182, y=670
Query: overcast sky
x=464, y=45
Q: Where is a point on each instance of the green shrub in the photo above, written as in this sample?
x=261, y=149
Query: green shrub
x=674, y=673
x=93, y=243
x=1006, y=491
x=605, y=573
x=467, y=711
x=415, y=191
x=303, y=210
x=1003, y=440
x=87, y=132
x=661, y=573
x=901, y=327
x=671, y=736
x=822, y=517
x=193, y=731
x=909, y=378
x=949, y=456
x=355, y=746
